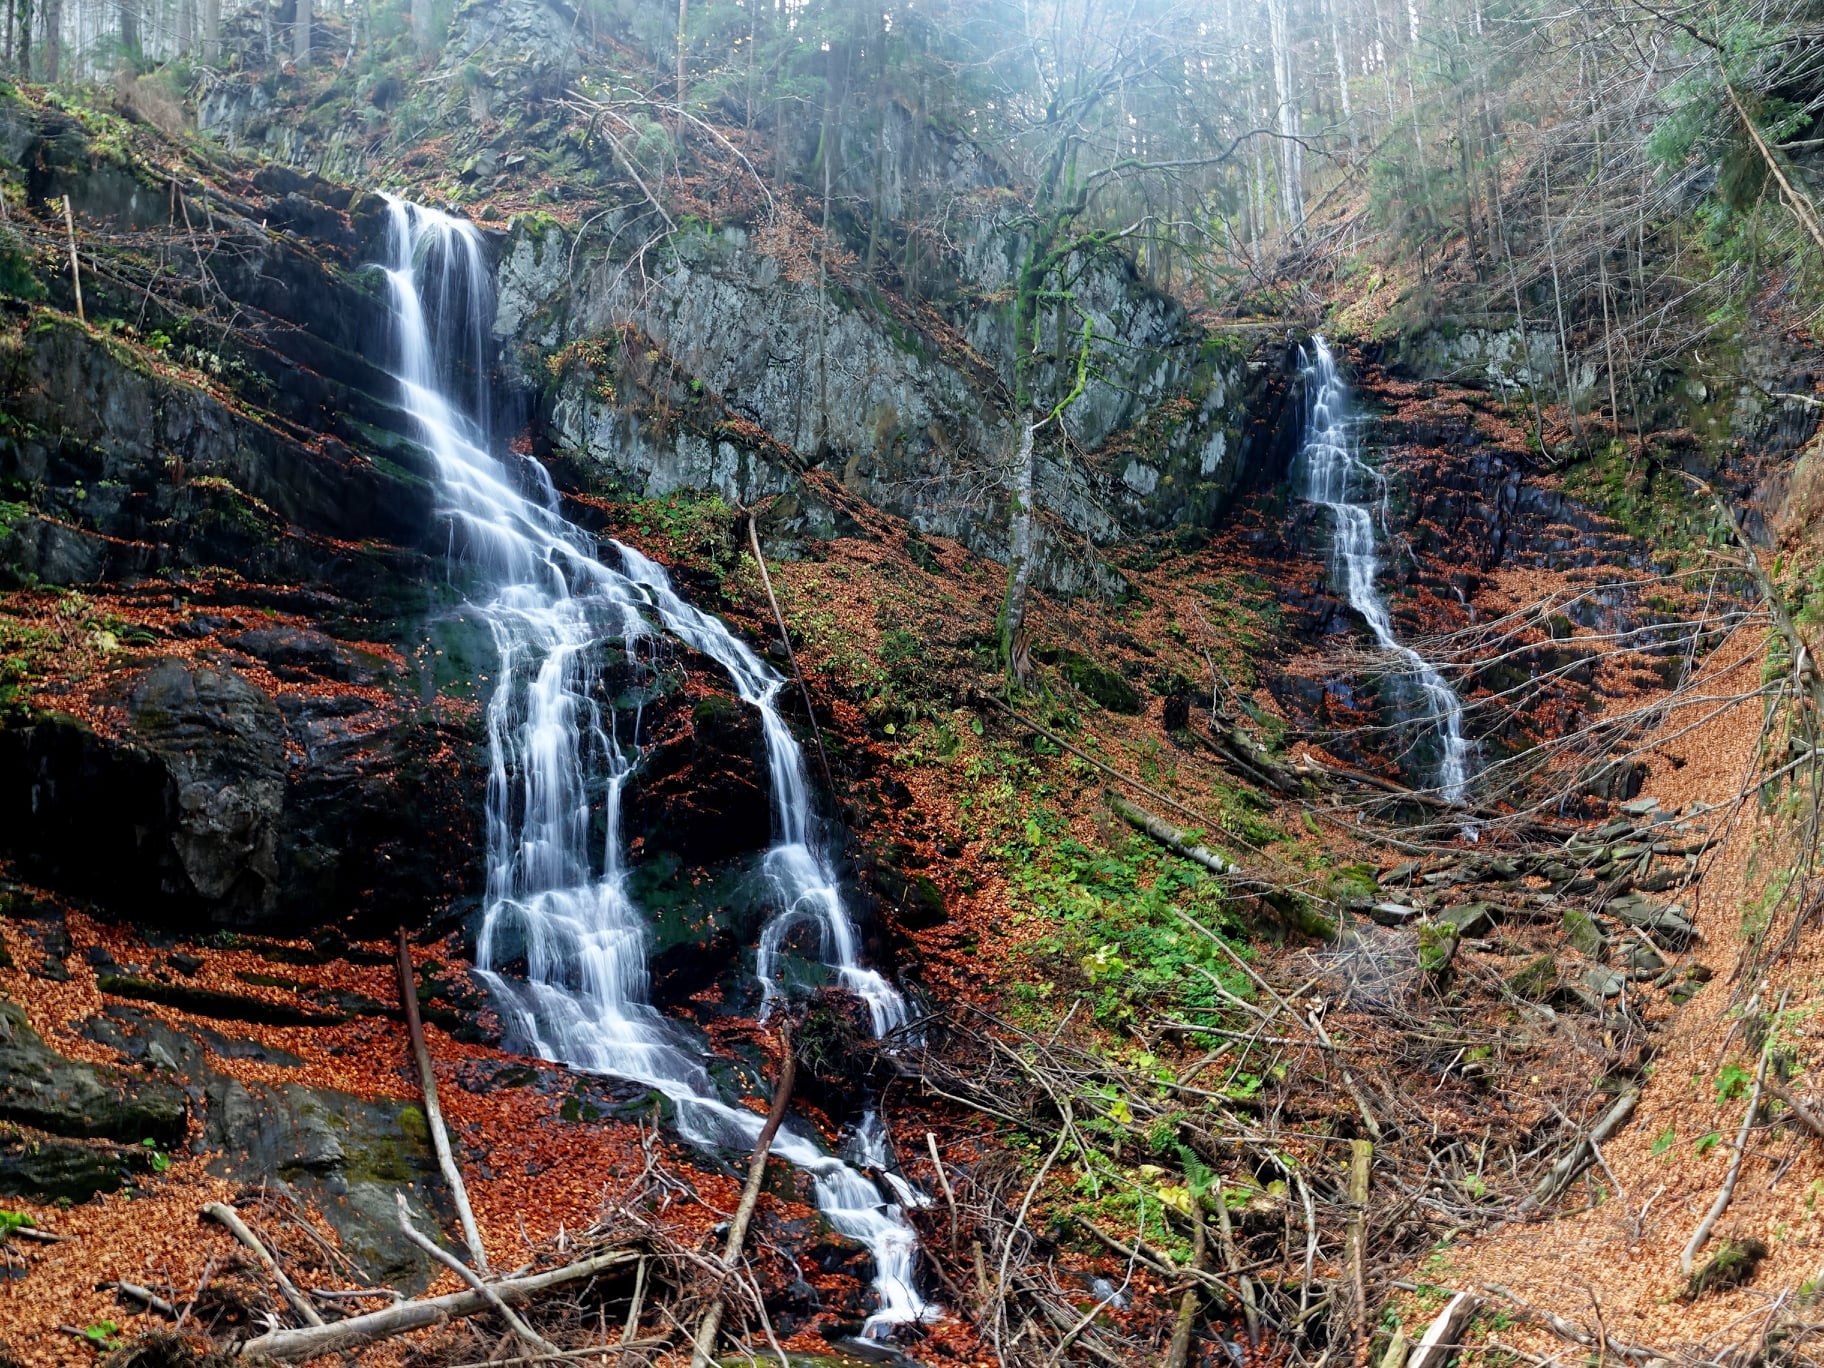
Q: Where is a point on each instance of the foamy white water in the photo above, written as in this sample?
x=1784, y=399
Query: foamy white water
x=1338, y=478
x=556, y=756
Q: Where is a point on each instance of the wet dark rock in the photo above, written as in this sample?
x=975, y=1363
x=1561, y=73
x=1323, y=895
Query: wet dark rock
x=207, y=819
x=45, y=1168
x=836, y=1052
x=209, y=1002
x=701, y=792
x=41, y=1089
x=298, y=653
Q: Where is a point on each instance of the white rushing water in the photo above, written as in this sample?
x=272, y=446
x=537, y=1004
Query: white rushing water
x=1337, y=478
x=556, y=612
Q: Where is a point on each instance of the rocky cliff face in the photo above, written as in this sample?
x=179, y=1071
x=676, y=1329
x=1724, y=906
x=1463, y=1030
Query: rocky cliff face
x=722, y=366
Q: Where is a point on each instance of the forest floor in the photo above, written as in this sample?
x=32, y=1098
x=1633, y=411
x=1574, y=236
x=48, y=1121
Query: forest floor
x=1060, y=925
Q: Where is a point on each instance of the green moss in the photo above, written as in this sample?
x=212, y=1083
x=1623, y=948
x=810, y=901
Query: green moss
x=1733, y=1264
x=1101, y=685
x=1535, y=980
x=1437, y=947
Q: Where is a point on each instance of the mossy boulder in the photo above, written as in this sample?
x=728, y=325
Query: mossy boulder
x=1583, y=932
x=1536, y=980
x=1101, y=685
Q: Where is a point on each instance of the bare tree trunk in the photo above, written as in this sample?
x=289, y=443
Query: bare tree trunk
x=1019, y=541
x=53, y=38
x=1551, y=252
x=300, y=34
x=212, y=31
x=683, y=29
x=421, y=24
x=129, y=31
x=1291, y=160
x=23, y=13
x=1342, y=76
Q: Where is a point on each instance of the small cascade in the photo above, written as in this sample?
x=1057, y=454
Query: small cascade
x=556, y=756
x=1337, y=478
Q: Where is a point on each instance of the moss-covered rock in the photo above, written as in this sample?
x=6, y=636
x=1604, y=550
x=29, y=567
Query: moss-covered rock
x=1100, y=684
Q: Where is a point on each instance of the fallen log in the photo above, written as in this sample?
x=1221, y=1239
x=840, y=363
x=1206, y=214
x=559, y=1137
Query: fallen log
x=302, y=1345
x=230, y=1220
x=1295, y=913
x=433, y=1112
x=1581, y=1154
x=1445, y=1335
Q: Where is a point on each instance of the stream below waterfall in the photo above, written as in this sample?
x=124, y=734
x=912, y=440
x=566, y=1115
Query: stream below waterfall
x=1336, y=478
x=557, y=756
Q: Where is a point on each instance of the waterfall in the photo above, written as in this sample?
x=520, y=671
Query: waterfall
x=557, y=755
x=1337, y=478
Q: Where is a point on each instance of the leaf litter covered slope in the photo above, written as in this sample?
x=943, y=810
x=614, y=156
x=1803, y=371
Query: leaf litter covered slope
x=1624, y=1245
x=1061, y=933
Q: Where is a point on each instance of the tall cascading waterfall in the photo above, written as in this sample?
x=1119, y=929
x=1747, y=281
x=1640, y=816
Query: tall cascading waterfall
x=555, y=753
x=1336, y=477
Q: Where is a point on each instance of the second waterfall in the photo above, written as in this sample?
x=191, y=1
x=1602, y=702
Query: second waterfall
x=1336, y=478
x=558, y=756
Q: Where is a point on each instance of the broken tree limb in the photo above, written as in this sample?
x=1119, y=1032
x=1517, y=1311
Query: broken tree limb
x=1559, y=1326
x=1179, y=1354
x=1807, y=1117
x=299, y=1346
x=230, y=1220
x=766, y=581
x=1687, y=1261
x=703, y=1351
x=433, y=1113
x=1297, y=914
x=1444, y=1336
x=1231, y=1260
x=1361, y=1167
x=943, y=1181
x=1169, y=836
x=69, y=223
x=146, y=1295
x=1580, y=1156
x=526, y=1333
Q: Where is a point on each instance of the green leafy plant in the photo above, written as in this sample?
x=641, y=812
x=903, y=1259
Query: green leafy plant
x=102, y=1335
x=1732, y=1082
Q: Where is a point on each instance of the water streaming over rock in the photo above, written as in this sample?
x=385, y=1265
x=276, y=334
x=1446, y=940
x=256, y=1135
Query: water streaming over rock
x=556, y=611
x=1336, y=477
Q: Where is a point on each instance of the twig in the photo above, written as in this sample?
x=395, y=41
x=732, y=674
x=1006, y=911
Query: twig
x=433, y=1113
x=472, y=1278
x=227, y=1217
x=34, y=1233
x=146, y=1295
x=1807, y=1117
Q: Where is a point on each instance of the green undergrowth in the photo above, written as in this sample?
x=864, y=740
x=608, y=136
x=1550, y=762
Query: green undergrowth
x=1650, y=503
x=1117, y=923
